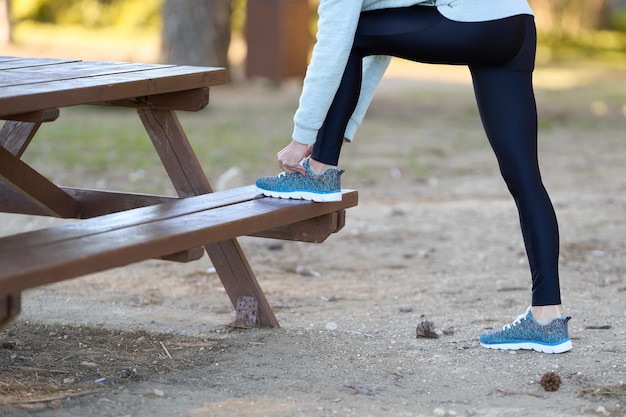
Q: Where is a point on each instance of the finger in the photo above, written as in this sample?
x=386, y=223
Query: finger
x=286, y=167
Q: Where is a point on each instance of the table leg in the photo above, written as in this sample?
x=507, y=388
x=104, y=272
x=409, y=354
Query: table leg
x=31, y=184
x=189, y=179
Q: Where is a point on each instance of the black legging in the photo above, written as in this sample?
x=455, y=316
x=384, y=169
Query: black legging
x=500, y=55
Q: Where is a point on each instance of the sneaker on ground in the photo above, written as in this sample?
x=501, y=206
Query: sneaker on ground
x=322, y=187
x=526, y=333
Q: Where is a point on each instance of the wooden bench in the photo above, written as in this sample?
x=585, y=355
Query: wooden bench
x=57, y=253
x=122, y=228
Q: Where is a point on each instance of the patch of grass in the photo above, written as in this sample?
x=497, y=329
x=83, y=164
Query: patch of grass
x=89, y=146
x=95, y=138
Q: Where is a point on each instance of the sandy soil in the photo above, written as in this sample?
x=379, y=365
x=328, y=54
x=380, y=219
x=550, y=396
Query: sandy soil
x=434, y=238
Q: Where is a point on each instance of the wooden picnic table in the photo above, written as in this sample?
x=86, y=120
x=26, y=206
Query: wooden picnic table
x=118, y=228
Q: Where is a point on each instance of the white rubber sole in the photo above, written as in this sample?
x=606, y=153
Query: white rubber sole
x=304, y=195
x=560, y=348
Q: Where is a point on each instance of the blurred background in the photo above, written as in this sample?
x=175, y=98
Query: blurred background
x=255, y=38
x=580, y=82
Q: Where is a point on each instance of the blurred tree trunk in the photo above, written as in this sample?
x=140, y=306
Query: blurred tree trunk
x=566, y=18
x=5, y=22
x=196, y=32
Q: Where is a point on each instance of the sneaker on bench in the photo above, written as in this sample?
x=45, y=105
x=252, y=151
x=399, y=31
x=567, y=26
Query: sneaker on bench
x=322, y=187
x=527, y=333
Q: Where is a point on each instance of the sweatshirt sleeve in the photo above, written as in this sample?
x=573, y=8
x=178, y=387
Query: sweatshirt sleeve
x=338, y=20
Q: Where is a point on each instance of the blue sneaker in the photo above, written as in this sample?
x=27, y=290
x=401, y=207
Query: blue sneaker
x=526, y=333
x=322, y=187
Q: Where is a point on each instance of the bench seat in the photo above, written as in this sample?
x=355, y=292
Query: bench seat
x=60, y=252
x=40, y=257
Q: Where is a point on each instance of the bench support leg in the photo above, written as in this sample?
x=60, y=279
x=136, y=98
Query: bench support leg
x=10, y=307
x=189, y=179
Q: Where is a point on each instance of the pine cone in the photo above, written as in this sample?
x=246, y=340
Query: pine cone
x=550, y=381
x=426, y=329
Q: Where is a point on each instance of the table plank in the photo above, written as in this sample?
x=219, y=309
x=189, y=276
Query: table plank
x=74, y=70
x=18, y=62
x=97, y=66
x=123, y=219
x=40, y=96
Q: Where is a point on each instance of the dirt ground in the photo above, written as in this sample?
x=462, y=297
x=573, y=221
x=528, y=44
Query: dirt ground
x=434, y=238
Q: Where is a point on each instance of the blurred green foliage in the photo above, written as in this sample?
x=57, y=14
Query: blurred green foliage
x=105, y=13
x=601, y=45
x=89, y=13
x=617, y=20
x=238, y=18
x=606, y=44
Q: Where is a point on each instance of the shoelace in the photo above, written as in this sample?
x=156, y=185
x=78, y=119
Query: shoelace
x=285, y=173
x=517, y=321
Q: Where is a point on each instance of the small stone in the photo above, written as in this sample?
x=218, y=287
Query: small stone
x=601, y=410
x=274, y=245
x=159, y=393
x=405, y=308
x=331, y=325
x=439, y=412
x=55, y=404
x=448, y=331
x=307, y=272
x=7, y=345
x=129, y=373
x=69, y=380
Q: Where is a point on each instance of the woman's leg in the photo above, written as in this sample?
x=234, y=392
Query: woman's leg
x=506, y=104
x=419, y=34
x=507, y=107
x=330, y=137
x=501, y=57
